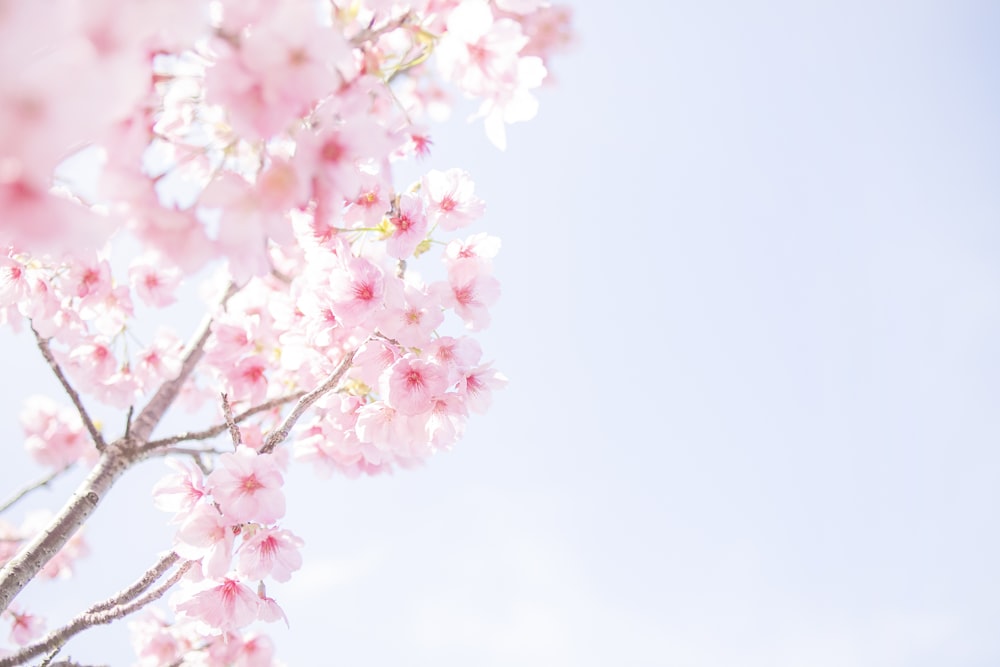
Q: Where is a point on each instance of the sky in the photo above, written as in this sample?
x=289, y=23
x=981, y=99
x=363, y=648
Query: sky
x=751, y=299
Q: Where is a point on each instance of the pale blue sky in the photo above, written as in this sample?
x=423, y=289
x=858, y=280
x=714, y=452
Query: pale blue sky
x=750, y=315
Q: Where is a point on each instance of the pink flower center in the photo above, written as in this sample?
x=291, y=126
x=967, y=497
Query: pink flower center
x=414, y=380
x=251, y=484
x=402, y=223
x=268, y=548
x=464, y=294
x=333, y=151
x=364, y=292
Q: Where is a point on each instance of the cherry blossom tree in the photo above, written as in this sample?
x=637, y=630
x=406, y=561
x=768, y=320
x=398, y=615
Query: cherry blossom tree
x=247, y=146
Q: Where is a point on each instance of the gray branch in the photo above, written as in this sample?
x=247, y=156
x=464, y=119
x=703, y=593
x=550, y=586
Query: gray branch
x=33, y=487
x=43, y=346
x=21, y=569
x=275, y=437
x=89, y=619
x=115, y=459
x=151, y=415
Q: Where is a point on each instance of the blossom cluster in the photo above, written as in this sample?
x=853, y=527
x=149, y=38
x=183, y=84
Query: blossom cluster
x=241, y=498
x=253, y=143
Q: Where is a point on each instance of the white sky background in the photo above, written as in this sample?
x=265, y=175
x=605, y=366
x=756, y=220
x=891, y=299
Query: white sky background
x=750, y=317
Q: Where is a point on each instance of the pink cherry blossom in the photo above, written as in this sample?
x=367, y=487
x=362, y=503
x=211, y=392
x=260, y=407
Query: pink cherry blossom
x=412, y=322
x=411, y=385
x=270, y=552
x=257, y=147
x=206, y=535
x=93, y=361
x=481, y=246
x=153, y=641
x=477, y=386
x=154, y=281
x=182, y=491
x=409, y=226
x=247, y=487
x=226, y=606
x=25, y=626
x=358, y=292
x=451, y=203
x=55, y=435
x=247, y=380
x=471, y=291
x=270, y=611
x=160, y=361
x=446, y=421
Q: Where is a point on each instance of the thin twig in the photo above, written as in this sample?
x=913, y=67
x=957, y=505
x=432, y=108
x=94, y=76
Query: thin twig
x=50, y=657
x=195, y=454
x=135, y=590
x=32, y=487
x=188, y=451
x=220, y=428
x=43, y=345
x=89, y=619
x=275, y=437
x=128, y=421
x=234, y=430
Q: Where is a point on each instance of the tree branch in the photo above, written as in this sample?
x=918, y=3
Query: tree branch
x=32, y=487
x=275, y=437
x=88, y=619
x=220, y=428
x=145, y=581
x=151, y=415
x=21, y=569
x=115, y=459
x=234, y=430
x=43, y=345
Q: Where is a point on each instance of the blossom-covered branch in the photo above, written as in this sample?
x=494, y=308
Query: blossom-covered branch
x=255, y=145
x=277, y=435
x=151, y=415
x=218, y=429
x=114, y=460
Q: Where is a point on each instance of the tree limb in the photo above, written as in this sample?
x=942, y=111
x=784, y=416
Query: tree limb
x=145, y=581
x=115, y=459
x=21, y=569
x=275, y=437
x=234, y=430
x=88, y=619
x=43, y=346
x=220, y=428
x=32, y=487
x=151, y=415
